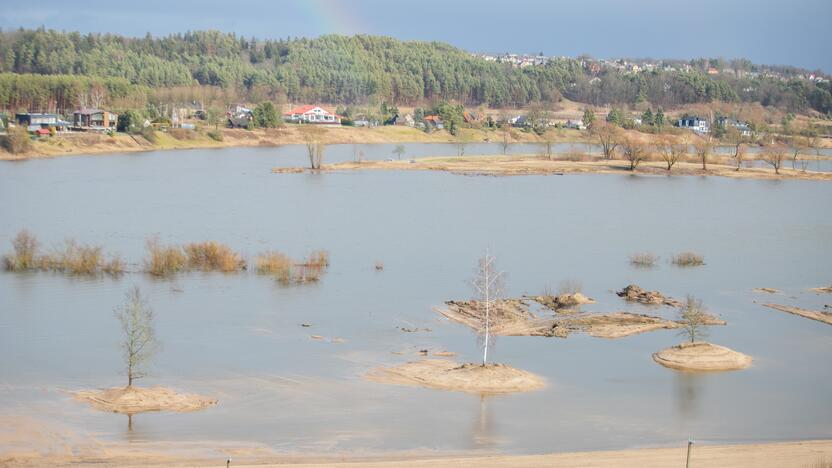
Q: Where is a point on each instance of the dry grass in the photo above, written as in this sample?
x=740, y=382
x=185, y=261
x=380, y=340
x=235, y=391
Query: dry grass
x=570, y=286
x=182, y=134
x=25, y=252
x=688, y=259
x=287, y=271
x=213, y=256
x=164, y=260
x=276, y=264
x=643, y=259
x=73, y=258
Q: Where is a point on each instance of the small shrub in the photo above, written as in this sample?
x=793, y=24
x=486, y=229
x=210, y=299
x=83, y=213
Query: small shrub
x=276, y=264
x=164, y=260
x=212, y=256
x=113, y=266
x=215, y=135
x=16, y=140
x=687, y=259
x=643, y=259
x=25, y=252
x=318, y=259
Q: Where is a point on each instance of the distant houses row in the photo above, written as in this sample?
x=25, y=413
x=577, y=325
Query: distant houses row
x=88, y=119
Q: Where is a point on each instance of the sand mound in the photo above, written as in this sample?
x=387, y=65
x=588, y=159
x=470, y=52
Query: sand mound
x=766, y=290
x=562, y=301
x=635, y=294
x=827, y=290
x=132, y=400
x=701, y=356
x=819, y=315
x=448, y=375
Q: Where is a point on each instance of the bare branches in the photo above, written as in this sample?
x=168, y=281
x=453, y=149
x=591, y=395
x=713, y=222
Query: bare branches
x=774, y=156
x=634, y=152
x=693, y=318
x=703, y=147
x=608, y=137
x=139, y=344
x=671, y=151
x=488, y=287
x=314, y=147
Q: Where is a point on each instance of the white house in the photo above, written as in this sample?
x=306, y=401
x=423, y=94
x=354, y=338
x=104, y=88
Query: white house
x=312, y=114
x=694, y=123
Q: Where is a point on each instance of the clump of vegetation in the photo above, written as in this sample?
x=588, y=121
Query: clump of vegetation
x=693, y=318
x=643, y=259
x=164, y=260
x=276, y=264
x=287, y=271
x=149, y=134
x=73, y=258
x=688, y=259
x=25, y=252
x=213, y=256
x=215, y=135
x=378, y=265
x=16, y=140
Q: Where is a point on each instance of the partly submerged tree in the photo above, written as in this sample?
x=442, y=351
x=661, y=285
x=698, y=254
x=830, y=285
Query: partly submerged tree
x=399, y=150
x=139, y=342
x=314, y=147
x=693, y=318
x=488, y=287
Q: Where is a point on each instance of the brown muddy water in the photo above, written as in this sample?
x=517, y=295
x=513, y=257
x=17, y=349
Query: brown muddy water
x=237, y=337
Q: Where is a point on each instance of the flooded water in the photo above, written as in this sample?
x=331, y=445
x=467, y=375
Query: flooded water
x=238, y=337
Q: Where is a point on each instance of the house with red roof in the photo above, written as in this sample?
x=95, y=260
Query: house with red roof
x=312, y=114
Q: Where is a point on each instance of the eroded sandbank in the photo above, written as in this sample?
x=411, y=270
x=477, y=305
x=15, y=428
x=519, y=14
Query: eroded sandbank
x=133, y=400
x=702, y=356
x=448, y=375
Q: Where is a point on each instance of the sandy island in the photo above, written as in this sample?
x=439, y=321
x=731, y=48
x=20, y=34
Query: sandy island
x=536, y=165
x=820, y=316
x=702, y=356
x=133, y=400
x=513, y=317
x=825, y=290
x=448, y=375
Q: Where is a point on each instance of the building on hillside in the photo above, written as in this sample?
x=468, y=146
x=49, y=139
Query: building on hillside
x=94, y=119
x=312, y=114
x=239, y=117
x=693, y=123
x=576, y=124
x=35, y=121
x=434, y=121
x=741, y=126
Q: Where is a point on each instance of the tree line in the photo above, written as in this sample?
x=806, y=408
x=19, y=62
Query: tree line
x=356, y=69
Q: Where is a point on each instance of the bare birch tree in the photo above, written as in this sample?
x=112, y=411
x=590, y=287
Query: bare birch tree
x=314, y=147
x=693, y=318
x=488, y=287
x=139, y=344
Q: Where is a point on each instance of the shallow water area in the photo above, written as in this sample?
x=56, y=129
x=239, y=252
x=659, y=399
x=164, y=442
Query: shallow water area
x=238, y=337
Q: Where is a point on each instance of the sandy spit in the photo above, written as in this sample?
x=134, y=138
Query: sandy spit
x=701, y=356
x=132, y=400
x=448, y=375
x=820, y=316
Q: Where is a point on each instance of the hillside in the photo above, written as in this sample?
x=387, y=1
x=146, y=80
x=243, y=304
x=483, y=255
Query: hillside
x=50, y=70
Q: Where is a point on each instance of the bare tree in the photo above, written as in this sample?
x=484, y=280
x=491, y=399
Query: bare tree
x=97, y=96
x=774, y=156
x=797, y=143
x=140, y=344
x=735, y=138
x=488, y=287
x=548, y=143
x=608, y=137
x=460, y=141
x=399, y=150
x=671, y=151
x=314, y=148
x=634, y=152
x=693, y=318
x=505, y=129
x=703, y=147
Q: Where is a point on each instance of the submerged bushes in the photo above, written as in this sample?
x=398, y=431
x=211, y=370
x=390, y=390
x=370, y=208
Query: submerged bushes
x=643, y=259
x=287, y=271
x=687, y=259
x=163, y=260
x=74, y=258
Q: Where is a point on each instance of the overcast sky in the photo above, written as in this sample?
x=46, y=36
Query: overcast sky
x=796, y=32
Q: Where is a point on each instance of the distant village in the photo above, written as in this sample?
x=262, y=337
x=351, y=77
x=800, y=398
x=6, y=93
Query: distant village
x=738, y=68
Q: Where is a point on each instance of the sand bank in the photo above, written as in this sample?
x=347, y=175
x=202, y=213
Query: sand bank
x=701, y=356
x=513, y=317
x=132, y=400
x=448, y=375
x=820, y=316
x=536, y=165
x=635, y=293
x=825, y=290
x=562, y=301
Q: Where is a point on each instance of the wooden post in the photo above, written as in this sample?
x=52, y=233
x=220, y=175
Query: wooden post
x=690, y=444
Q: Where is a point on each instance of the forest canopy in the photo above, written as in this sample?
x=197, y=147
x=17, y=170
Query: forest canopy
x=349, y=70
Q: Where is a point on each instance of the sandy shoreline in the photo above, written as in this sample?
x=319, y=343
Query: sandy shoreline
x=803, y=454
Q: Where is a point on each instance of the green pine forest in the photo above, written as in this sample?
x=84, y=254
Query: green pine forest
x=45, y=70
